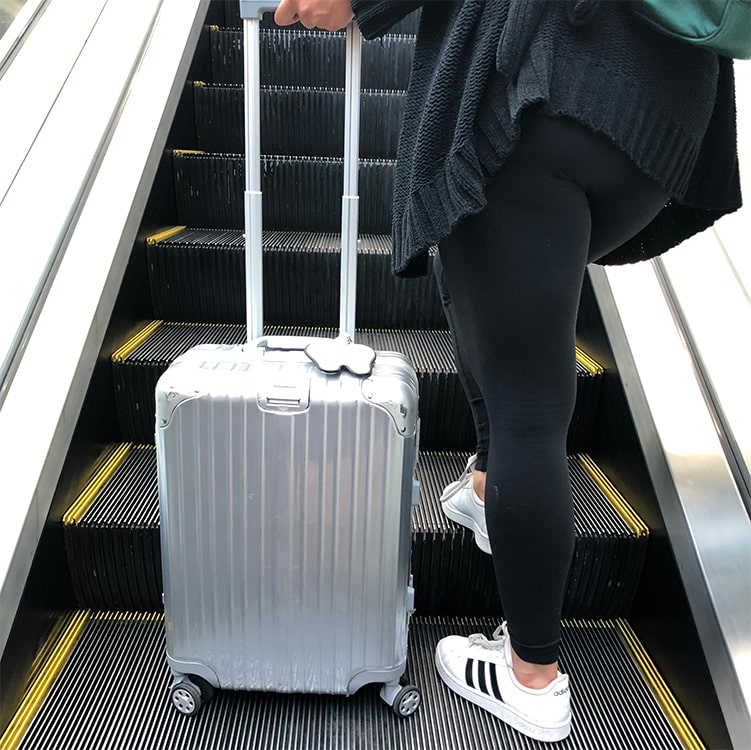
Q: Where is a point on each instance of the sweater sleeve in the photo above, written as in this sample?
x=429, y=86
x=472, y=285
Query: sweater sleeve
x=376, y=17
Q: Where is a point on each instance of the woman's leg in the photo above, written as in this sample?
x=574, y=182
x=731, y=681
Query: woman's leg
x=470, y=387
x=514, y=271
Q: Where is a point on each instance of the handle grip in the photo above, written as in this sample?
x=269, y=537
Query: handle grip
x=252, y=195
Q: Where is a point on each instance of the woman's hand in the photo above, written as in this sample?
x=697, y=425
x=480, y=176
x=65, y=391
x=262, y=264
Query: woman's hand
x=331, y=15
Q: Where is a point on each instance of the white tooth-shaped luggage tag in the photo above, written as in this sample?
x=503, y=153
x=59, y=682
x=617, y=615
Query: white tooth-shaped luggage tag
x=334, y=355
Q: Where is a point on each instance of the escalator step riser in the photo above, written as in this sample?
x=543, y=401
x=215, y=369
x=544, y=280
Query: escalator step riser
x=606, y=549
x=446, y=421
x=114, y=547
x=299, y=193
x=445, y=418
x=614, y=706
x=312, y=58
x=304, y=122
x=227, y=13
x=626, y=560
x=195, y=278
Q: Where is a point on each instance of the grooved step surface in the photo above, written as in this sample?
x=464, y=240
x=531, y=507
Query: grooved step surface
x=227, y=12
x=312, y=58
x=446, y=421
x=301, y=193
x=199, y=276
x=114, y=547
x=297, y=121
x=115, y=684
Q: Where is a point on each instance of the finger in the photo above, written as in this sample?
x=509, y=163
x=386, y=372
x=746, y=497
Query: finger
x=338, y=16
x=286, y=13
x=338, y=23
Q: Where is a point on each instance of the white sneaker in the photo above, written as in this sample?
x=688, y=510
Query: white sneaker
x=481, y=671
x=461, y=504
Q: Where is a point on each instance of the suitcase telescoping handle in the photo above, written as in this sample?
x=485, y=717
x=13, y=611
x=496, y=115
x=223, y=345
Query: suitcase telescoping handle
x=251, y=12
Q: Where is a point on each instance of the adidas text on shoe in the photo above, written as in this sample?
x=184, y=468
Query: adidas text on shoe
x=480, y=670
x=462, y=505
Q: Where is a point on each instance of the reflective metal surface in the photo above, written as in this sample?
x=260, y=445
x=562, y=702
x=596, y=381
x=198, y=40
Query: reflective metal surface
x=705, y=516
x=715, y=316
x=17, y=18
x=90, y=167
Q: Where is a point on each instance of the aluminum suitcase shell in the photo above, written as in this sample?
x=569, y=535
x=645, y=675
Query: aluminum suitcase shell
x=285, y=498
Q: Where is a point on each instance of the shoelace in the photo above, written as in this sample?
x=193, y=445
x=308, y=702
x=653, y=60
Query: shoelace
x=500, y=634
x=468, y=471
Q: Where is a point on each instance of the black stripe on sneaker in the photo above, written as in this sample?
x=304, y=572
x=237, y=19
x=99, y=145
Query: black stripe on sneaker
x=494, y=682
x=481, y=665
x=468, y=673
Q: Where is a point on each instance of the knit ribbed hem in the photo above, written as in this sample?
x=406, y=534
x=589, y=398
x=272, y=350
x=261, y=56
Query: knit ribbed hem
x=648, y=136
x=375, y=18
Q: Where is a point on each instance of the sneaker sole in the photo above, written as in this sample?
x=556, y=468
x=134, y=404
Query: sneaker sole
x=505, y=713
x=468, y=522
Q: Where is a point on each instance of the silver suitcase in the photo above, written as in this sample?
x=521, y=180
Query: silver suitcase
x=286, y=483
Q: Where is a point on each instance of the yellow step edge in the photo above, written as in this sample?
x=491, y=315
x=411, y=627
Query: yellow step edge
x=584, y=359
x=186, y=152
x=45, y=652
x=165, y=234
x=619, y=502
x=130, y=345
x=102, y=616
x=672, y=710
x=100, y=478
x=59, y=647
x=193, y=324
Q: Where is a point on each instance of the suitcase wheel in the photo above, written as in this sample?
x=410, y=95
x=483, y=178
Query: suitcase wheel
x=186, y=697
x=407, y=701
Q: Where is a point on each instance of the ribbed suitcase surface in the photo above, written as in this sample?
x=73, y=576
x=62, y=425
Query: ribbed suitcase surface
x=285, y=499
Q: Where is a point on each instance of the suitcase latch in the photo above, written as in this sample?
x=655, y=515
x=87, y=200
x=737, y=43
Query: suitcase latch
x=286, y=393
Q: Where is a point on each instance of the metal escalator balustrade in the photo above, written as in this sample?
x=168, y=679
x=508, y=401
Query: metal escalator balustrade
x=137, y=62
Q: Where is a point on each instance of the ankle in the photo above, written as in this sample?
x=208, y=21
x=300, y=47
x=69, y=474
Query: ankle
x=478, y=484
x=533, y=676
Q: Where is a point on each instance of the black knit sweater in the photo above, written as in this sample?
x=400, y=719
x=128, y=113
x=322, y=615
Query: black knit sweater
x=479, y=63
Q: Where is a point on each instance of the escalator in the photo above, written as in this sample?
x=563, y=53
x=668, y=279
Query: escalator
x=99, y=678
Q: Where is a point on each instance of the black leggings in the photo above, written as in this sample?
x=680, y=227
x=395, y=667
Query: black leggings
x=510, y=279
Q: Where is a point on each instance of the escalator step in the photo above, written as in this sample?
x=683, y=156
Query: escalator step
x=297, y=121
x=231, y=17
x=445, y=418
x=109, y=688
x=139, y=363
x=112, y=534
x=312, y=58
x=609, y=551
x=302, y=193
x=199, y=276
x=112, y=540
